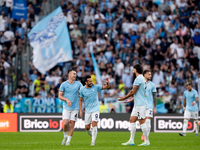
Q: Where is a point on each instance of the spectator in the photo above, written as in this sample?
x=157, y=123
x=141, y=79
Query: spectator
x=196, y=38
x=33, y=76
x=122, y=86
x=42, y=92
x=103, y=108
x=8, y=108
x=127, y=80
x=31, y=88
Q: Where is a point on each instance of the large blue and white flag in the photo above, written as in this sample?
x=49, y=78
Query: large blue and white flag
x=96, y=69
x=50, y=41
x=19, y=9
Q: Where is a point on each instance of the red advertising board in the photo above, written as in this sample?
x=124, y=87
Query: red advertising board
x=8, y=122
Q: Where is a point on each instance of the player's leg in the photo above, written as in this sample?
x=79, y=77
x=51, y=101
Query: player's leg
x=132, y=127
x=73, y=119
x=95, y=120
x=66, y=117
x=149, y=115
x=194, y=115
x=88, y=120
x=142, y=118
x=187, y=115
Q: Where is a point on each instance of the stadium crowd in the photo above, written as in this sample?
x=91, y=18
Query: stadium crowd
x=162, y=35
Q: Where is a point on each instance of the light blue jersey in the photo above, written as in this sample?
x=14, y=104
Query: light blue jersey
x=90, y=97
x=190, y=98
x=70, y=91
x=140, y=96
x=151, y=88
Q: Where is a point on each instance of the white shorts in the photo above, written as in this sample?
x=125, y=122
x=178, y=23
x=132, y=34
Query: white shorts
x=191, y=114
x=149, y=113
x=139, y=111
x=70, y=115
x=89, y=117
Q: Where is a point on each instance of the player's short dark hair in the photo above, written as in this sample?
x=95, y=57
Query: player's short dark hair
x=138, y=68
x=146, y=71
x=87, y=77
x=70, y=70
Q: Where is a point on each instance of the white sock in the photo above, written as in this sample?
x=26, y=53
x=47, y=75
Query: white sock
x=65, y=134
x=132, y=130
x=145, y=132
x=69, y=138
x=197, y=126
x=148, y=124
x=94, y=134
x=89, y=132
x=185, y=125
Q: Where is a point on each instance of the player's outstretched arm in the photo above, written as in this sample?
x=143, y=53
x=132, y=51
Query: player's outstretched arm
x=131, y=93
x=107, y=86
x=80, y=106
x=129, y=100
x=154, y=102
x=61, y=97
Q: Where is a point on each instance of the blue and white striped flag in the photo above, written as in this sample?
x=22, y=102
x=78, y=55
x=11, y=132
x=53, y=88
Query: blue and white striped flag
x=96, y=69
x=50, y=41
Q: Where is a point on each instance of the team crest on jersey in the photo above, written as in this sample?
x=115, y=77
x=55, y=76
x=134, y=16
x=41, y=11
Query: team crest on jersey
x=75, y=85
x=92, y=89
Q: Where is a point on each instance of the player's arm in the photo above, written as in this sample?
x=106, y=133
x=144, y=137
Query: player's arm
x=107, y=86
x=80, y=106
x=131, y=93
x=154, y=102
x=129, y=100
x=196, y=101
x=62, y=98
x=184, y=103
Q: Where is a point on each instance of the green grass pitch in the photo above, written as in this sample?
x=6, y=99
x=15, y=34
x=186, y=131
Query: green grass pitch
x=105, y=141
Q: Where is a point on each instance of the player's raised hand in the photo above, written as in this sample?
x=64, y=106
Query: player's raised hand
x=69, y=103
x=106, y=80
x=81, y=114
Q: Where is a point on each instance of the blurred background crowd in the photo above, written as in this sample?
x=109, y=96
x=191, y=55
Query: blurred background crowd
x=161, y=35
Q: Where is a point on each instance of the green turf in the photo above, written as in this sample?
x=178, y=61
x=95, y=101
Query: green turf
x=105, y=141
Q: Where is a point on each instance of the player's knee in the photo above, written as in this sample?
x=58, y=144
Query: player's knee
x=65, y=122
x=72, y=123
x=87, y=127
x=94, y=124
x=132, y=120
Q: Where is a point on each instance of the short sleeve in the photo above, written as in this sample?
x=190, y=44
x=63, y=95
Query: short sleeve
x=154, y=88
x=184, y=96
x=98, y=87
x=196, y=94
x=81, y=92
x=137, y=82
x=62, y=88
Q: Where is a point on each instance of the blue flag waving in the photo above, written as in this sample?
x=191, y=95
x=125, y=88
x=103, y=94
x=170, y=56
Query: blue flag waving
x=50, y=41
x=96, y=69
x=19, y=10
